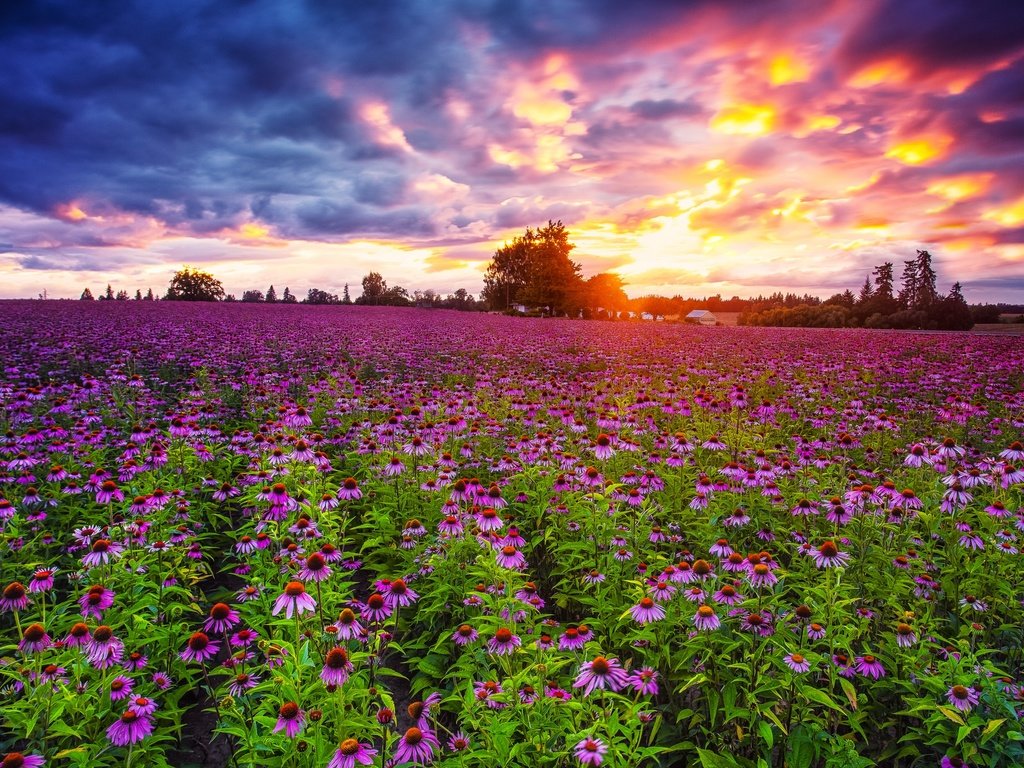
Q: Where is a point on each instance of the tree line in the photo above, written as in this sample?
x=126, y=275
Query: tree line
x=878, y=304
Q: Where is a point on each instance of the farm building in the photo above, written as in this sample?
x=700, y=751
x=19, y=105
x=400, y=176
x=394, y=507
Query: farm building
x=701, y=317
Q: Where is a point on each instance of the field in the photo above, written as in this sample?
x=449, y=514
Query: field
x=344, y=536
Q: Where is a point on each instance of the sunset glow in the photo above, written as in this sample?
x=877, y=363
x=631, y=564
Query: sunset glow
x=693, y=148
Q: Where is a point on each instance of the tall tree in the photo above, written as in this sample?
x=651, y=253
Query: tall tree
x=375, y=288
x=271, y=296
x=190, y=284
x=345, y=297
x=534, y=269
x=866, y=291
x=109, y=295
x=87, y=295
x=288, y=297
x=149, y=295
x=884, y=280
x=138, y=294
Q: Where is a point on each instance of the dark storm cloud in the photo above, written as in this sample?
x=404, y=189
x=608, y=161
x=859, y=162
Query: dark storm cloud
x=936, y=34
x=191, y=110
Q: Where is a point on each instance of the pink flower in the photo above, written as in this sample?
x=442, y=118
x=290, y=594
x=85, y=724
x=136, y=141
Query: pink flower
x=130, y=728
x=590, y=751
x=351, y=752
x=600, y=673
x=290, y=719
x=294, y=600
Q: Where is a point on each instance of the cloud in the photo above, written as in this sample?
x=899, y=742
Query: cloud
x=727, y=132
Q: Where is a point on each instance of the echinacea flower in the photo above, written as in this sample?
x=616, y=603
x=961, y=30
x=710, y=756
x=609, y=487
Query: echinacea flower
x=200, y=648
x=315, y=568
x=601, y=672
x=797, y=662
x=222, y=618
x=829, y=556
x=290, y=719
x=19, y=760
x=705, y=619
x=416, y=746
x=869, y=666
x=647, y=611
x=351, y=752
x=14, y=598
x=34, y=639
x=963, y=697
x=130, y=728
x=644, y=681
x=590, y=751
x=294, y=600
x=337, y=667
x=503, y=642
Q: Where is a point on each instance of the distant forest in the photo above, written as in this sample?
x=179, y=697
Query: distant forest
x=533, y=275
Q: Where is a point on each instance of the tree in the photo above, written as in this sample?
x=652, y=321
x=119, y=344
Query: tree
x=375, y=289
x=87, y=295
x=149, y=295
x=109, y=295
x=918, y=283
x=271, y=296
x=317, y=296
x=190, y=284
x=604, y=291
x=535, y=269
x=866, y=291
x=252, y=296
x=288, y=297
x=345, y=298
x=883, y=280
x=122, y=295
x=138, y=294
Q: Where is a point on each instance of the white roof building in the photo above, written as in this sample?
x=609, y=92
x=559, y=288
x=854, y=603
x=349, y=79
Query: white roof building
x=701, y=317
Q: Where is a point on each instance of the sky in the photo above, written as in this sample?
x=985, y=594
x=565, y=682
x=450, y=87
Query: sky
x=698, y=147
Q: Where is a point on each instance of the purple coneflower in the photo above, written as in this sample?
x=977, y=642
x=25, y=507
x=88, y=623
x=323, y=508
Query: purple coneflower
x=963, y=697
x=705, y=619
x=503, y=642
x=142, y=705
x=290, y=719
x=315, y=568
x=130, y=728
x=102, y=552
x=761, y=576
x=351, y=752
x=416, y=746
x=337, y=667
x=647, y=611
x=797, y=662
x=644, y=681
x=590, y=751
x=241, y=683
x=294, y=600
x=510, y=557
x=905, y=635
x=829, y=556
x=600, y=673
x=15, y=597
x=376, y=608
x=398, y=595
x=34, y=639
x=349, y=490
x=42, y=580
x=199, y=648
x=869, y=666
x=222, y=617
x=121, y=688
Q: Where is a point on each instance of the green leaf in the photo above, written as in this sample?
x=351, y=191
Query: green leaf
x=819, y=697
x=962, y=733
x=716, y=760
x=952, y=715
x=991, y=728
x=850, y=691
x=766, y=733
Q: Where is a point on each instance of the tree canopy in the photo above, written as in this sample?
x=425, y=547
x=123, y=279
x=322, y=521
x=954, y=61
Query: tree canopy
x=189, y=284
x=535, y=269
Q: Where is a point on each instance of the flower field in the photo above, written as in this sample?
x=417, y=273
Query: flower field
x=336, y=537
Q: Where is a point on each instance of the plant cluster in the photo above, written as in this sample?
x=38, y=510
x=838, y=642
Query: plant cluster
x=393, y=538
